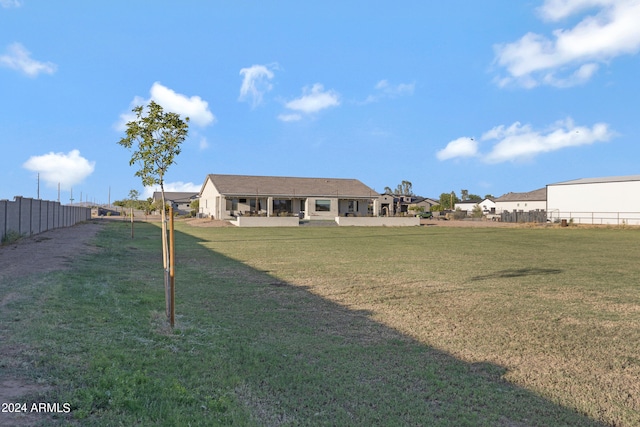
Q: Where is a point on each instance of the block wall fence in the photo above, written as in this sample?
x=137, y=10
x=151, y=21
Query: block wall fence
x=27, y=216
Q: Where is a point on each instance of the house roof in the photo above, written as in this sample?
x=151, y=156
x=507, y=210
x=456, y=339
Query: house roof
x=600, y=180
x=535, y=195
x=175, y=196
x=246, y=185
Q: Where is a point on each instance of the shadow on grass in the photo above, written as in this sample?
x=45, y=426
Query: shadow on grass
x=300, y=359
x=248, y=349
x=517, y=272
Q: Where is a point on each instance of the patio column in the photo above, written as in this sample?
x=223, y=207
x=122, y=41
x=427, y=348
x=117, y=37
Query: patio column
x=269, y=206
x=376, y=207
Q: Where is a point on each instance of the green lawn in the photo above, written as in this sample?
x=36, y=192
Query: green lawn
x=338, y=326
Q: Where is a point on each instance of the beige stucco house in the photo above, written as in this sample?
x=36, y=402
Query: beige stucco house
x=535, y=200
x=232, y=196
x=180, y=201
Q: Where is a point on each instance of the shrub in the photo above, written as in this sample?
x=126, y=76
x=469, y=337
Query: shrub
x=11, y=237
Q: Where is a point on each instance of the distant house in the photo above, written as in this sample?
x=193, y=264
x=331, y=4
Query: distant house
x=466, y=206
x=531, y=201
x=608, y=200
x=387, y=204
x=422, y=202
x=487, y=205
x=180, y=201
x=229, y=196
x=399, y=204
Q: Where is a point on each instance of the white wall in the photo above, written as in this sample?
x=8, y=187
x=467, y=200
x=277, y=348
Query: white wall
x=274, y=221
x=527, y=205
x=487, y=205
x=208, y=200
x=600, y=203
x=381, y=221
x=465, y=206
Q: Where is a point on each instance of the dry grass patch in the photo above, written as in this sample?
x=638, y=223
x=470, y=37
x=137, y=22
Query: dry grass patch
x=558, y=308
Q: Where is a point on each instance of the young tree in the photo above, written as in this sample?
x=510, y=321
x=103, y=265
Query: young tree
x=405, y=188
x=133, y=201
x=195, y=207
x=155, y=138
x=448, y=200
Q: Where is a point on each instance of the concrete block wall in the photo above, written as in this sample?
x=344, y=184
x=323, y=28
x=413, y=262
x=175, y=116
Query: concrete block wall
x=27, y=216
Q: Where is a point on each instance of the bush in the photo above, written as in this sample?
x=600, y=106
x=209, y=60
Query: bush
x=11, y=237
x=459, y=214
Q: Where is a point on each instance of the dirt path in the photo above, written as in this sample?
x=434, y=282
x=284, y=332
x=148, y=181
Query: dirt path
x=49, y=251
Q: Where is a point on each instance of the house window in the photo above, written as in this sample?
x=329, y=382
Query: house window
x=353, y=206
x=242, y=201
x=323, y=205
x=280, y=205
x=232, y=204
x=252, y=205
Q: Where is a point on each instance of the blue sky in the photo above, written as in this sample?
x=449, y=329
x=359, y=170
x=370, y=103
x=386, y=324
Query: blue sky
x=492, y=97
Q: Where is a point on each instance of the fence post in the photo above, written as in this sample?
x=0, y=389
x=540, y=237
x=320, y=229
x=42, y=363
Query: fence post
x=172, y=266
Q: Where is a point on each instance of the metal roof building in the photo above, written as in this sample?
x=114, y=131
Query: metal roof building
x=607, y=200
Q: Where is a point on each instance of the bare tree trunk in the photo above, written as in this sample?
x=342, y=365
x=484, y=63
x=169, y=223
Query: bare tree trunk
x=172, y=272
x=165, y=251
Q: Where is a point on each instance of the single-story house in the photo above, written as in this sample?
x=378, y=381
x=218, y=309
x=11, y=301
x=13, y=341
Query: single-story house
x=466, y=206
x=230, y=196
x=400, y=204
x=180, y=201
x=535, y=200
x=421, y=202
x=608, y=200
x=487, y=206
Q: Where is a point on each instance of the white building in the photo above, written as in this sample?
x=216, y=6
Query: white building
x=486, y=206
x=609, y=200
x=466, y=206
x=535, y=200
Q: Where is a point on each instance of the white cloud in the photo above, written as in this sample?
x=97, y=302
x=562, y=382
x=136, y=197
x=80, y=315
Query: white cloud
x=60, y=168
x=19, y=58
x=400, y=89
x=522, y=142
x=10, y=3
x=193, y=107
x=178, y=186
x=313, y=100
x=461, y=147
x=289, y=117
x=571, y=56
x=384, y=89
x=255, y=83
x=203, y=144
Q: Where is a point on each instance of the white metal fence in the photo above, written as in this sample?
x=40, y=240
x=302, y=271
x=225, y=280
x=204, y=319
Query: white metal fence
x=596, y=218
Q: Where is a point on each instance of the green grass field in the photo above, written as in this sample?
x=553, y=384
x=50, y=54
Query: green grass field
x=338, y=326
